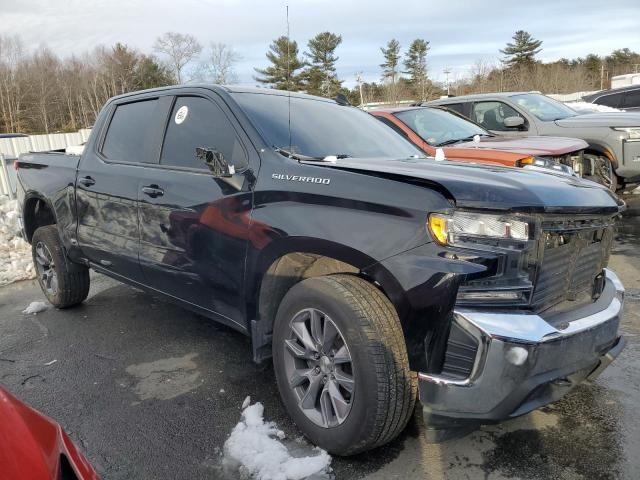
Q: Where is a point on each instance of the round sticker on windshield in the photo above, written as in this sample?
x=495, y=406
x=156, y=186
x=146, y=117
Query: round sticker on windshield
x=181, y=115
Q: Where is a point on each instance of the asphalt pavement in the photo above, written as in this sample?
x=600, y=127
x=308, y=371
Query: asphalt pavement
x=151, y=391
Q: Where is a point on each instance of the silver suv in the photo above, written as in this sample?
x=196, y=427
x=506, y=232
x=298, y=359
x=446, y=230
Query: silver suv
x=613, y=156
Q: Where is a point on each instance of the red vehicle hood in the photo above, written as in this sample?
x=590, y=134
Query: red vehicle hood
x=33, y=446
x=535, y=146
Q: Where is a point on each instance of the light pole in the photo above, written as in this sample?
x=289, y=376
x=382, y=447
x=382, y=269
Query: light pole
x=446, y=71
x=359, y=80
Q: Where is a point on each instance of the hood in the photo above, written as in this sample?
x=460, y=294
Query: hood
x=528, y=146
x=487, y=157
x=494, y=188
x=614, y=119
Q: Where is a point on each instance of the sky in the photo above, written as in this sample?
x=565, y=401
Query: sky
x=460, y=33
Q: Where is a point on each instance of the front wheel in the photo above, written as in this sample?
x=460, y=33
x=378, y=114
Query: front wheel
x=64, y=283
x=341, y=364
x=602, y=171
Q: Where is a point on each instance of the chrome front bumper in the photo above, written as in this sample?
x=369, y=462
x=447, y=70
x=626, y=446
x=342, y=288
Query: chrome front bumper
x=525, y=361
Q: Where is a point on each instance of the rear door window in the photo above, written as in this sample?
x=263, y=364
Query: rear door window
x=610, y=100
x=130, y=131
x=631, y=99
x=491, y=115
x=461, y=108
x=197, y=122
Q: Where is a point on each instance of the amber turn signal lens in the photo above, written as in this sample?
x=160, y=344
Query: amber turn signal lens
x=526, y=161
x=438, y=228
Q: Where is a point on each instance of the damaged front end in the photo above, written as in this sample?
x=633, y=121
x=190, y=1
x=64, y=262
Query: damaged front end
x=540, y=319
x=538, y=315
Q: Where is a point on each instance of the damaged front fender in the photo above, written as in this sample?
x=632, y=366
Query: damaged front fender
x=427, y=280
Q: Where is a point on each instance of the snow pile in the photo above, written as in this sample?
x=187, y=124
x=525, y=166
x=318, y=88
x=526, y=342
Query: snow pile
x=584, y=107
x=35, y=307
x=15, y=253
x=254, y=451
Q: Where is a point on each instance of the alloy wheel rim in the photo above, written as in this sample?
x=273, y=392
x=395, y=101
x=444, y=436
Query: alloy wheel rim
x=46, y=269
x=319, y=368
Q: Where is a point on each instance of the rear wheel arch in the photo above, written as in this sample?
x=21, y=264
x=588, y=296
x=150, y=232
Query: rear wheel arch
x=37, y=212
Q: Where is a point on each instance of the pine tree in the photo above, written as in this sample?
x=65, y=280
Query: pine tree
x=283, y=55
x=390, y=66
x=522, y=51
x=416, y=67
x=149, y=73
x=321, y=76
x=392, y=59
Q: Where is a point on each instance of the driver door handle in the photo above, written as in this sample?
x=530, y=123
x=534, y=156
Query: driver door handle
x=153, y=191
x=87, y=181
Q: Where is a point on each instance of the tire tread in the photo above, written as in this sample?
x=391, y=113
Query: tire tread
x=397, y=385
x=73, y=279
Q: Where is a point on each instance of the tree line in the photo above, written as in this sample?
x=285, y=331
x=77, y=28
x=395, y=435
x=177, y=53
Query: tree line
x=41, y=92
x=520, y=70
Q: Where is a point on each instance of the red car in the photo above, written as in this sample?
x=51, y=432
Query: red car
x=34, y=447
x=430, y=128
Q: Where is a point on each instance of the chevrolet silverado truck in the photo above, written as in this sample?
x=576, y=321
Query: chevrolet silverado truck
x=430, y=128
x=369, y=274
x=613, y=155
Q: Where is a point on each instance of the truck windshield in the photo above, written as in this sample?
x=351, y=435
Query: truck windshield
x=437, y=127
x=320, y=128
x=544, y=108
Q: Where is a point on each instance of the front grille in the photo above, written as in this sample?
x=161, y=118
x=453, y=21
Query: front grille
x=571, y=261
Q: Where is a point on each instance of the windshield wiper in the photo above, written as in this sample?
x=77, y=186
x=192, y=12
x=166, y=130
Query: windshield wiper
x=306, y=158
x=458, y=140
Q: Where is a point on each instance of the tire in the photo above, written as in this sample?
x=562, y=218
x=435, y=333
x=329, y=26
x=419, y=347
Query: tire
x=64, y=283
x=604, y=173
x=384, y=389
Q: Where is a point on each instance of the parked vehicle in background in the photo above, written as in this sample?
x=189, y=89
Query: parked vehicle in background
x=430, y=128
x=35, y=447
x=613, y=154
x=366, y=270
x=627, y=98
x=625, y=80
x=586, y=107
x=13, y=135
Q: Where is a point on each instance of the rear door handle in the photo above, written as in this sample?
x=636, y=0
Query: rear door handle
x=87, y=181
x=153, y=191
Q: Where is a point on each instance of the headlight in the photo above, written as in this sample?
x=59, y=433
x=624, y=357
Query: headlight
x=537, y=163
x=450, y=229
x=632, y=132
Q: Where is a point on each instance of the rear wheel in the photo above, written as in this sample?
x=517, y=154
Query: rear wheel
x=64, y=283
x=341, y=364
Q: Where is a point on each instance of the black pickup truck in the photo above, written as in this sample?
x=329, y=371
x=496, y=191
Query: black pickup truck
x=369, y=273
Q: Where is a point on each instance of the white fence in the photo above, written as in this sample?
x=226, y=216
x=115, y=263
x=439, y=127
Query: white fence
x=12, y=147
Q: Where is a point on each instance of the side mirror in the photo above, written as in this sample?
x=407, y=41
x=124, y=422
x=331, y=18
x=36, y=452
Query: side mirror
x=215, y=161
x=513, y=122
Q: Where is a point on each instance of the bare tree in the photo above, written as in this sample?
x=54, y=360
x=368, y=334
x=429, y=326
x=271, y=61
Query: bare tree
x=44, y=80
x=219, y=65
x=480, y=75
x=180, y=50
x=12, y=82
